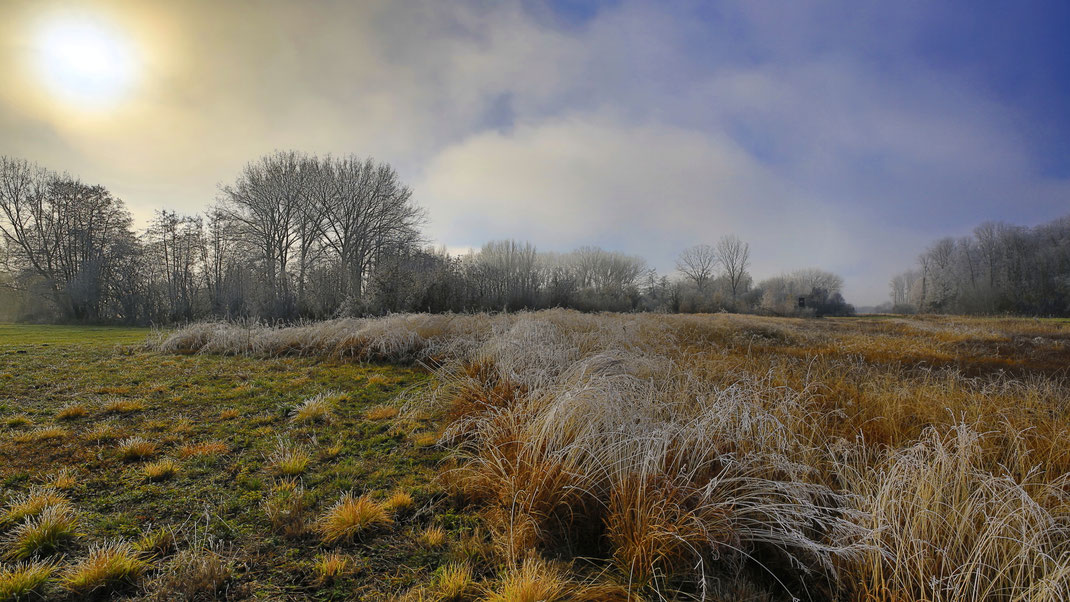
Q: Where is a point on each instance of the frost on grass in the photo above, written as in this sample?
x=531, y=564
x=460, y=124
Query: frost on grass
x=689, y=448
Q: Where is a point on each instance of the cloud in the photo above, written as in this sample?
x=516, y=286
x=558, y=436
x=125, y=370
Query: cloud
x=826, y=136
x=648, y=189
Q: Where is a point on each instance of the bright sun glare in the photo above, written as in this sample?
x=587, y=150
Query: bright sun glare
x=84, y=62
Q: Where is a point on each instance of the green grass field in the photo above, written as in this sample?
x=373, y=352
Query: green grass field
x=220, y=419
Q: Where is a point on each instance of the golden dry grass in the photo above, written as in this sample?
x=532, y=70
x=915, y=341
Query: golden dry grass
x=204, y=448
x=882, y=459
x=433, y=537
x=454, y=582
x=72, y=412
x=42, y=534
x=124, y=406
x=136, y=448
x=329, y=567
x=318, y=409
x=30, y=504
x=24, y=580
x=381, y=413
x=399, y=501
x=106, y=566
x=287, y=509
x=161, y=470
x=289, y=459
x=351, y=517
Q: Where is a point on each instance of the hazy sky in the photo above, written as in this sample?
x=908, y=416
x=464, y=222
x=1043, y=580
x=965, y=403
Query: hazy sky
x=844, y=135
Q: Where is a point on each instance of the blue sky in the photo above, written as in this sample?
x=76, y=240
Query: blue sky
x=843, y=135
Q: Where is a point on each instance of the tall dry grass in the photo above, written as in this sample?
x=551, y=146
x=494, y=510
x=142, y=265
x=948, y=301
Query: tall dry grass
x=873, y=459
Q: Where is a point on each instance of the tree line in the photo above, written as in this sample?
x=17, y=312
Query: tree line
x=999, y=269
x=298, y=236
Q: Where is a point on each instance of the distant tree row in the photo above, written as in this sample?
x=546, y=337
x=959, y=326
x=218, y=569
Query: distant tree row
x=299, y=236
x=999, y=269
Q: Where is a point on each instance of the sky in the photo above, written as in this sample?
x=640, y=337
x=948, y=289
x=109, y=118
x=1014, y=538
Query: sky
x=838, y=134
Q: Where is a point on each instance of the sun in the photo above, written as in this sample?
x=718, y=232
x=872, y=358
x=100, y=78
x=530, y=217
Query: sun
x=85, y=62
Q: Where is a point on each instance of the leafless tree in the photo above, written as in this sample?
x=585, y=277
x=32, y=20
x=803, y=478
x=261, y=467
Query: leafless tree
x=364, y=211
x=697, y=263
x=267, y=203
x=734, y=256
x=69, y=234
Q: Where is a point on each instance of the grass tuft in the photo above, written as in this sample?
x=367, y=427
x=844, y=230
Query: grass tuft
x=433, y=537
x=329, y=567
x=399, y=501
x=454, y=583
x=18, y=420
x=287, y=509
x=72, y=412
x=106, y=567
x=351, y=517
x=136, y=448
x=289, y=459
x=381, y=413
x=206, y=448
x=198, y=573
x=535, y=580
x=318, y=409
x=64, y=479
x=30, y=504
x=157, y=543
x=124, y=406
x=160, y=470
x=43, y=534
x=24, y=580
x=103, y=432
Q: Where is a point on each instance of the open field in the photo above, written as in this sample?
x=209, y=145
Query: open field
x=540, y=456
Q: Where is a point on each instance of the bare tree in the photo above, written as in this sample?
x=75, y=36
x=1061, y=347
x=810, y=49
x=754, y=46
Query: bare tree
x=69, y=234
x=365, y=211
x=267, y=203
x=697, y=264
x=734, y=256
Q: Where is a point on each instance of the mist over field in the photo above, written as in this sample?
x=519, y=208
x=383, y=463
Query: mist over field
x=534, y=301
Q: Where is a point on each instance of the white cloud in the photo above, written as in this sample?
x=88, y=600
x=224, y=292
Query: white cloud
x=641, y=130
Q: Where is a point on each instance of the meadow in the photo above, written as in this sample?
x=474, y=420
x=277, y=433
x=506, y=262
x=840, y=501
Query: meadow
x=547, y=455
